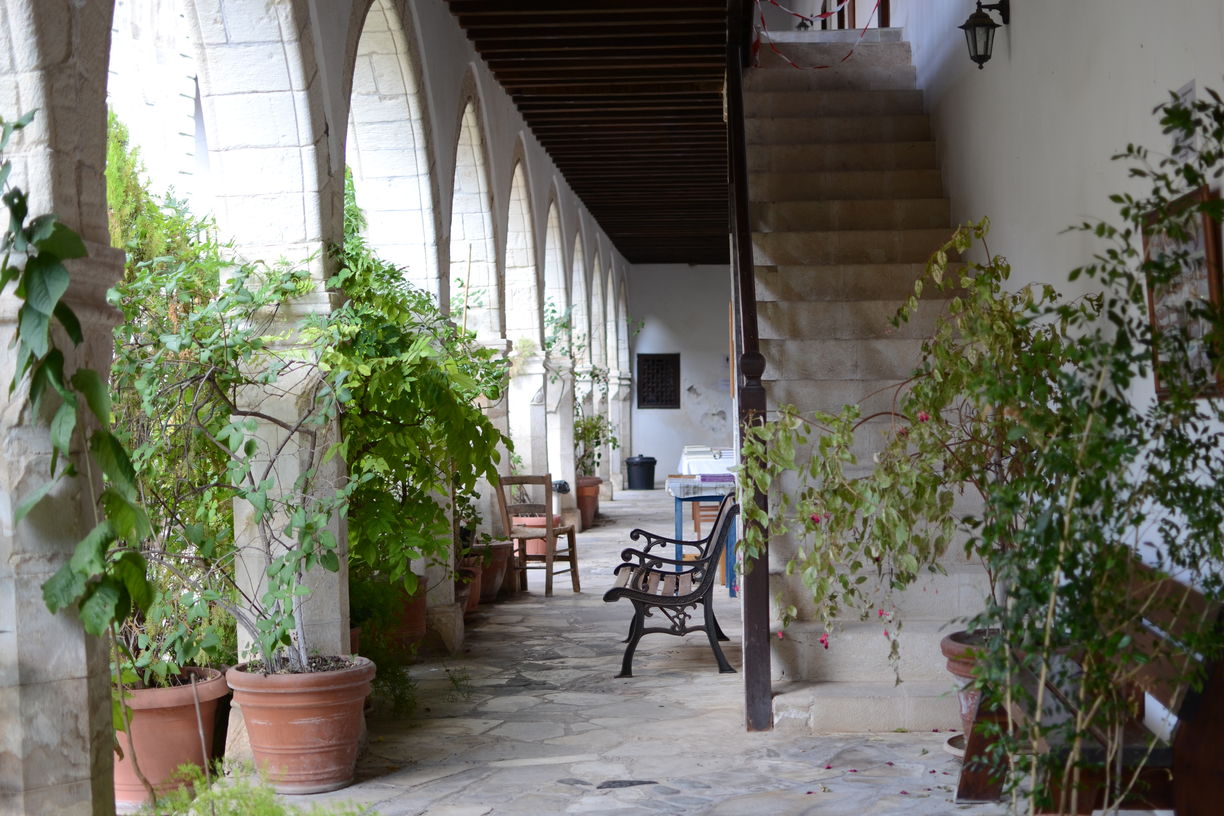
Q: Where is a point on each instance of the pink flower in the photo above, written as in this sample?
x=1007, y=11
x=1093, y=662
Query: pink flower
x=779, y=635
x=923, y=416
x=824, y=640
x=885, y=633
x=880, y=612
x=905, y=793
x=828, y=767
x=816, y=518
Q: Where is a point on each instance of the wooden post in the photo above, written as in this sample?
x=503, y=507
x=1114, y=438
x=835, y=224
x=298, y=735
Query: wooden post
x=754, y=584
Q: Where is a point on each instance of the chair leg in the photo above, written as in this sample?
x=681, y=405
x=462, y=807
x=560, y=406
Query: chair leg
x=518, y=563
x=710, y=626
x=573, y=559
x=635, y=634
x=718, y=629
x=550, y=552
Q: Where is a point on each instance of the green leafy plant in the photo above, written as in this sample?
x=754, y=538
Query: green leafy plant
x=864, y=531
x=415, y=432
x=1113, y=475
x=591, y=434
x=105, y=578
x=238, y=792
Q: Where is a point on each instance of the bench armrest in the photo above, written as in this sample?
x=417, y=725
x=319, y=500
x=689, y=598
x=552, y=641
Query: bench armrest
x=656, y=540
x=648, y=561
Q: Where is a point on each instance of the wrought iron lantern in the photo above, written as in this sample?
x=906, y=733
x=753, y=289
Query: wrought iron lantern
x=980, y=30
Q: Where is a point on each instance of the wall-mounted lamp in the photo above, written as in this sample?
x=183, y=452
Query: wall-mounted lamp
x=980, y=30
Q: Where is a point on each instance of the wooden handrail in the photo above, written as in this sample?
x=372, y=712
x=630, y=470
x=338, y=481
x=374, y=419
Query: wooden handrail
x=758, y=696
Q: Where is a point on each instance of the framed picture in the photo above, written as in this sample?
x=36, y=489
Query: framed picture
x=1172, y=305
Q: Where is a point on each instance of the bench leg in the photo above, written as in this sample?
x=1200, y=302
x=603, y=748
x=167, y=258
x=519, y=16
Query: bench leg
x=635, y=634
x=718, y=629
x=712, y=632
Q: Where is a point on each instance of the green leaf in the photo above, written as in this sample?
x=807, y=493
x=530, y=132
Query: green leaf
x=89, y=558
x=329, y=561
x=130, y=568
x=62, y=426
x=68, y=319
x=46, y=280
x=63, y=243
x=32, y=500
x=104, y=606
x=33, y=327
x=63, y=588
x=111, y=456
x=127, y=518
x=97, y=395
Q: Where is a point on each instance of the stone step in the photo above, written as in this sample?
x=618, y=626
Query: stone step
x=842, y=156
x=857, y=214
x=846, y=246
x=845, y=185
x=826, y=129
x=773, y=104
x=776, y=74
x=858, y=653
x=881, y=706
x=815, y=36
x=840, y=320
x=841, y=282
x=828, y=359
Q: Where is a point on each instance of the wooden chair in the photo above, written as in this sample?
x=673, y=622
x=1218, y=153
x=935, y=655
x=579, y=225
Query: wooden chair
x=704, y=512
x=509, y=490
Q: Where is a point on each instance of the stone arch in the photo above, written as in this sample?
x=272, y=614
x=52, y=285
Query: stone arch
x=523, y=312
x=388, y=148
x=474, y=294
x=599, y=357
x=558, y=330
x=580, y=306
x=276, y=191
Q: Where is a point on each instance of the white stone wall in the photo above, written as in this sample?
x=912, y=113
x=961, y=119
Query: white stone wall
x=685, y=311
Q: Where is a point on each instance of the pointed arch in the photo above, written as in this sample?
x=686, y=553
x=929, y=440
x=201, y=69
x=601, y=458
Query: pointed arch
x=388, y=149
x=474, y=294
x=523, y=302
x=580, y=311
x=556, y=290
x=599, y=357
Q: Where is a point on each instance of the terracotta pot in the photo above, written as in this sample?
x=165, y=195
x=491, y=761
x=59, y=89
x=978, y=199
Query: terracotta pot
x=960, y=650
x=586, y=494
x=164, y=733
x=494, y=569
x=304, y=728
x=410, y=631
x=535, y=546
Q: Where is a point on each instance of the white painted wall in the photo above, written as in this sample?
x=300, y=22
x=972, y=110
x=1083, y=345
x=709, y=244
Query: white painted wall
x=684, y=309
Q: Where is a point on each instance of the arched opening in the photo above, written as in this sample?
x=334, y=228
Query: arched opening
x=580, y=322
x=387, y=149
x=558, y=334
x=523, y=318
x=474, y=300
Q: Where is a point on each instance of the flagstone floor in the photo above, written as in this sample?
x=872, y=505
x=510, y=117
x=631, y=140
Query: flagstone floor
x=531, y=720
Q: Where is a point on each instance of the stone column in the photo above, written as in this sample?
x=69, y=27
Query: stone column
x=559, y=420
x=619, y=391
x=527, y=413
x=55, y=721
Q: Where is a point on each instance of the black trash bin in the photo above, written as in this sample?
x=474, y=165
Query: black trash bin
x=641, y=472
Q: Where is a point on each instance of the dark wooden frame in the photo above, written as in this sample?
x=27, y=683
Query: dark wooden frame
x=1161, y=314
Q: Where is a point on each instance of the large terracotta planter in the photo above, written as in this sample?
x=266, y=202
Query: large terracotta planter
x=304, y=728
x=165, y=733
x=494, y=569
x=586, y=494
x=410, y=631
x=960, y=650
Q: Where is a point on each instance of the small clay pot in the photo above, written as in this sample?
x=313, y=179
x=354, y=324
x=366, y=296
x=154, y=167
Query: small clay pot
x=304, y=728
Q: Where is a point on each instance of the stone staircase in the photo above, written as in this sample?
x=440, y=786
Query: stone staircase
x=847, y=204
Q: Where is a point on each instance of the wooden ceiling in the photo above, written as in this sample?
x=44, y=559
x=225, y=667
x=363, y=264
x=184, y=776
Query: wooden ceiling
x=626, y=96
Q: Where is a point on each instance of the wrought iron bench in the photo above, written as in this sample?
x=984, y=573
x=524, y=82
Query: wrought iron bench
x=674, y=588
x=1184, y=774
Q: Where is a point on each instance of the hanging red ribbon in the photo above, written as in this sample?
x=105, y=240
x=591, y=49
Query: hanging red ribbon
x=773, y=47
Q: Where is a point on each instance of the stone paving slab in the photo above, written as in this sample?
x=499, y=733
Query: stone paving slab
x=546, y=727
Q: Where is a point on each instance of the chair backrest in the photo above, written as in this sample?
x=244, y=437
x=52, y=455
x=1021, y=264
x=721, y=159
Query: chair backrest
x=508, y=488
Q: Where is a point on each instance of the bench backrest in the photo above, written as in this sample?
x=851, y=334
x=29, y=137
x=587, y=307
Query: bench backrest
x=708, y=562
x=1173, y=614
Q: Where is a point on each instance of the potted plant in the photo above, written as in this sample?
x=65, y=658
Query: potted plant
x=591, y=434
